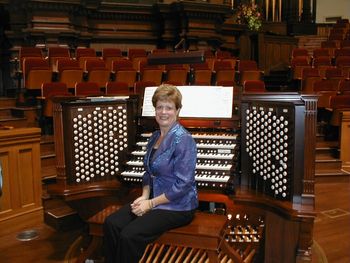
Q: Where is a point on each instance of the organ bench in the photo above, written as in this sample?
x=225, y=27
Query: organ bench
x=203, y=238
x=204, y=233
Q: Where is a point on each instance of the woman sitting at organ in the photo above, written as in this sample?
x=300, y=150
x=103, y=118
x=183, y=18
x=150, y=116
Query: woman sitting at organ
x=169, y=194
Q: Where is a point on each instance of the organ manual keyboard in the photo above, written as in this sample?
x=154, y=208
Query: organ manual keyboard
x=217, y=152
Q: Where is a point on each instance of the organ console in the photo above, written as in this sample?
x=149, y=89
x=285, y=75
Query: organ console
x=256, y=167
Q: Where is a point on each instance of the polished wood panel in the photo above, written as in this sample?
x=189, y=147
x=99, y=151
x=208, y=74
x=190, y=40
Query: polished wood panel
x=275, y=52
x=20, y=203
x=345, y=140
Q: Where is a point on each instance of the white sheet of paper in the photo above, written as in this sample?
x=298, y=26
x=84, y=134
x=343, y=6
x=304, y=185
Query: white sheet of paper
x=197, y=102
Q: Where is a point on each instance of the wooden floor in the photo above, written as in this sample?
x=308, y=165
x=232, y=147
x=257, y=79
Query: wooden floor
x=331, y=233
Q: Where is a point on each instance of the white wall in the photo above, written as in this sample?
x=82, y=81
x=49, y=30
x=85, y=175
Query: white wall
x=332, y=8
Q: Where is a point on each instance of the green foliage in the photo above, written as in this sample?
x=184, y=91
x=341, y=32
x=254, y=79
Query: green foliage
x=250, y=15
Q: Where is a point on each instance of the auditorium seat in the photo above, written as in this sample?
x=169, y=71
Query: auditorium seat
x=110, y=54
x=330, y=45
x=322, y=64
x=69, y=72
x=344, y=87
x=301, y=52
x=223, y=71
x=124, y=72
x=253, y=86
x=136, y=55
x=35, y=72
x=320, y=52
x=226, y=56
x=50, y=90
x=117, y=88
x=83, y=89
x=248, y=70
x=209, y=58
x=297, y=65
x=201, y=74
x=151, y=73
x=225, y=83
x=309, y=76
x=334, y=75
x=28, y=52
x=342, y=52
x=325, y=89
x=82, y=54
x=56, y=53
x=338, y=103
x=222, y=54
x=343, y=63
x=97, y=71
x=176, y=72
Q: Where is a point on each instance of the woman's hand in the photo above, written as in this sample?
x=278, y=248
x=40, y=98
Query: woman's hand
x=141, y=206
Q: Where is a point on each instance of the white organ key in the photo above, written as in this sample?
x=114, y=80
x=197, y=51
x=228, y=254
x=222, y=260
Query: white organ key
x=132, y=174
x=142, y=144
x=215, y=156
x=136, y=163
x=214, y=136
x=214, y=167
x=146, y=135
x=216, y=146
x=138, y=153
x=212, y=178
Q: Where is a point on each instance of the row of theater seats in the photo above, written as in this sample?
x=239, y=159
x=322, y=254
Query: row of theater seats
x=51, y=90
x=326, y=71
x=218, y=68
x=334, y=52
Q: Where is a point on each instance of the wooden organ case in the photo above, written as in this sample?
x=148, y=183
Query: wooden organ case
x=278, y=165
x=257, y=167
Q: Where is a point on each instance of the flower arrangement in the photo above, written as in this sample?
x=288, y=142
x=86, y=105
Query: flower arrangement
x=250, y=15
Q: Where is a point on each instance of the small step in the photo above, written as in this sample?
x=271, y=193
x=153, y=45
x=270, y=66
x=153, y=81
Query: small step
x=329, y=175
x=48, y=172
x=62, y=218
x=47, y=145
x=327, y=153
x=48, y=159
x=328, y=164
x=30, y=113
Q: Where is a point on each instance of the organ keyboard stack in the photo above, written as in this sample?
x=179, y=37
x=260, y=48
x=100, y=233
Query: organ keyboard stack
x=217, y=160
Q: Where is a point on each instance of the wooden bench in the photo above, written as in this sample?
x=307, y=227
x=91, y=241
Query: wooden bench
x=204, y=232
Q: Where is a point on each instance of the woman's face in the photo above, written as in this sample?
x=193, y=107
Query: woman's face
x=166, y=114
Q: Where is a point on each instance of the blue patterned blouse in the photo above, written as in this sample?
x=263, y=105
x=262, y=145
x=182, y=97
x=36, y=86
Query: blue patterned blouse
x=172, y=169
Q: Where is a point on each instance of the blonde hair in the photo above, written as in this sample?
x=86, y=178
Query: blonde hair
x=167, y=92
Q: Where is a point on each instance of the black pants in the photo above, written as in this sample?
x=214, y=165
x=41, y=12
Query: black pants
x=127, y=235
